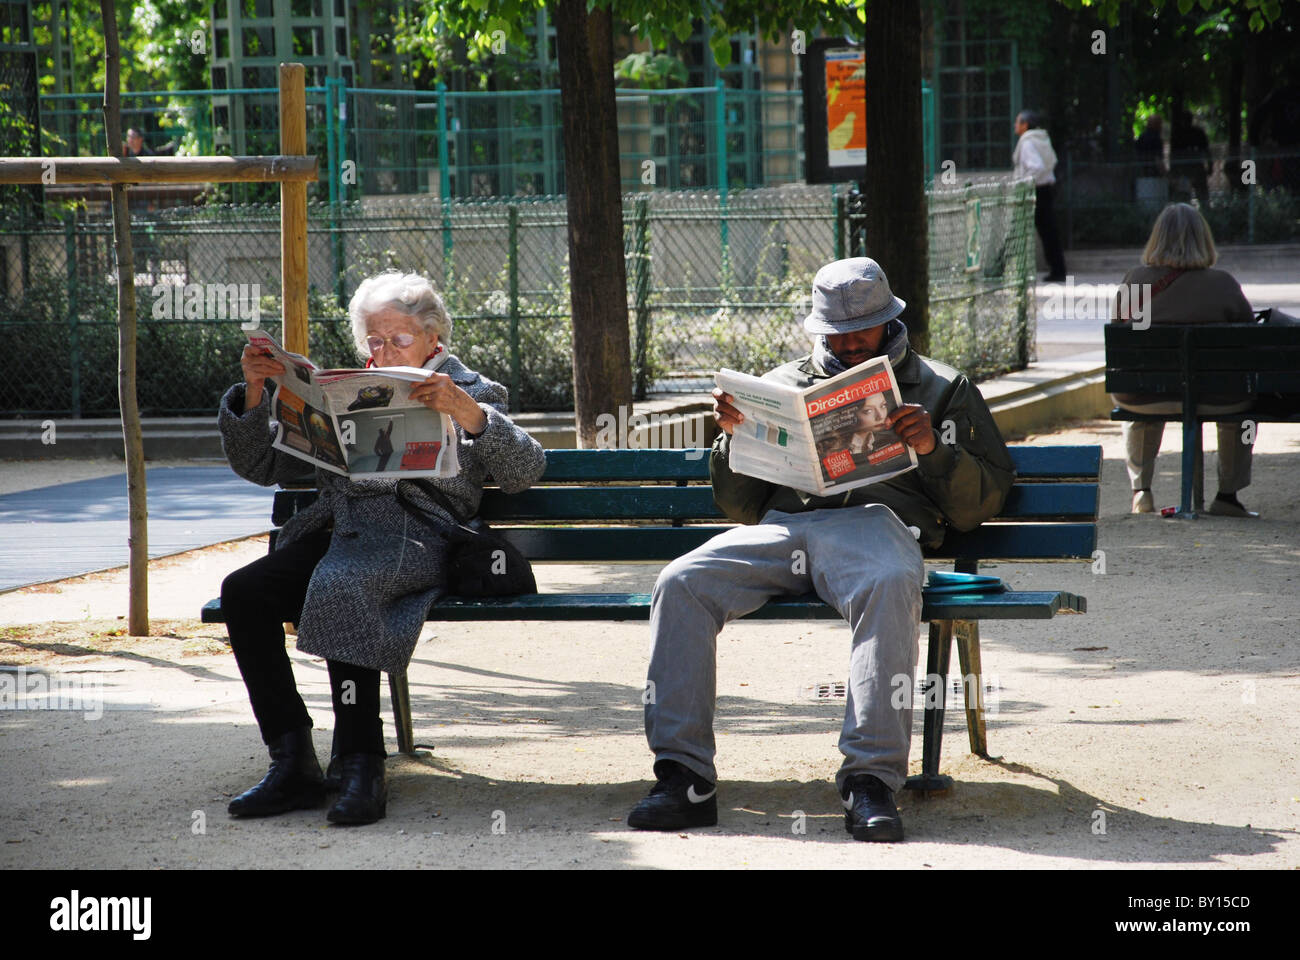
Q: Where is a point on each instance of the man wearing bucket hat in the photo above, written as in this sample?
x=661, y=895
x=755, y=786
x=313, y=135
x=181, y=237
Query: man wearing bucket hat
x=858, y=550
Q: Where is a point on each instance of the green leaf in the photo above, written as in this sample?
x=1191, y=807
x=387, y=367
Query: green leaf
x=720, y=44
x=1185, y=6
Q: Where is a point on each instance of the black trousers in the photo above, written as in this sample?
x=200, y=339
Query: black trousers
x=1045, y=221
x=258, y=600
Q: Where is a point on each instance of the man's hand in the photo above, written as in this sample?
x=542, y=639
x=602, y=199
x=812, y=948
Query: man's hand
x=258, y=366
x=724, y=413
x=441, y=394
x=911, y=422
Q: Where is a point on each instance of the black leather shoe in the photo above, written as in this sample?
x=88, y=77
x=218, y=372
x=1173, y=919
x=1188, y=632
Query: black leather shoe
x=680, y=799
x=869, y=811
x=334, y=772
x=364, y=796
x=293, y=782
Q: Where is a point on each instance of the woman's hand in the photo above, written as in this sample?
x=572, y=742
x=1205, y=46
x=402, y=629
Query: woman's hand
x=441, y=394
x=258, y=366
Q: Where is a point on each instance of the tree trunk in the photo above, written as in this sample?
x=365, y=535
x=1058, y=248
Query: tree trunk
x=137, y=505
x=602, y=365
x=896, y=209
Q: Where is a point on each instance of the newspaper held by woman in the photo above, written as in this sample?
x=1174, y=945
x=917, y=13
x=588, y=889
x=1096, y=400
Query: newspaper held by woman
x=823, y=439
x=356, y=421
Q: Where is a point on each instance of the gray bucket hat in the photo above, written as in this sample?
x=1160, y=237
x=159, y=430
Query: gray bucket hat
x=851, y=295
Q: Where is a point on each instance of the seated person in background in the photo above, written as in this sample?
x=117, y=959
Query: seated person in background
x=1177, y=265
x=860, y=553
x=136, y=147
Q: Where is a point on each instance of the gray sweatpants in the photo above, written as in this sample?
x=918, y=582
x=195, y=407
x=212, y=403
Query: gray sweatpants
x=862, y=560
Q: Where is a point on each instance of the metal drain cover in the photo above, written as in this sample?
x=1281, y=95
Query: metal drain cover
x=825, y=691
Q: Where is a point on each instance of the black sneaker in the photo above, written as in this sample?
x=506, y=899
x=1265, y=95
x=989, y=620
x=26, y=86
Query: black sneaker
x=869, y=811
x=680, y=799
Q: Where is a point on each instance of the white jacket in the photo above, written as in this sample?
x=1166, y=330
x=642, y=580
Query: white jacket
x=1034, y=157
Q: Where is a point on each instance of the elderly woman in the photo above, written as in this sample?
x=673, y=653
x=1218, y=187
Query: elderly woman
x=1176, y=269
x=351, y=570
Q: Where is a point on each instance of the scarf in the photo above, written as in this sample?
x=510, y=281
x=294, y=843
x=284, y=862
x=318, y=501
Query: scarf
x=894, y=346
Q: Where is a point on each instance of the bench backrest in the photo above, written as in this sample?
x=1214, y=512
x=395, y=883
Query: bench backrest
x=1211, y=358
x=665, y=496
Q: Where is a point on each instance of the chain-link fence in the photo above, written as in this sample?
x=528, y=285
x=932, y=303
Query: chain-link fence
x=713, y=280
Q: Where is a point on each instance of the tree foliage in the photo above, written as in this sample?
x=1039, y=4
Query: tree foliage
x=155, y=42
x=1259, y=13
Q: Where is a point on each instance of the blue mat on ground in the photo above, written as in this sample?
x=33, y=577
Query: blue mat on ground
x=74, y=528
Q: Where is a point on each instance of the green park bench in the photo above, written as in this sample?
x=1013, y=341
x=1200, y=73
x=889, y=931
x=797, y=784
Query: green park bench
x=620, y=506
x=1190, y=361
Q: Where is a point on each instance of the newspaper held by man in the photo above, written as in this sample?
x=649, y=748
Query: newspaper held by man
x=823, y=439
x=357, y=422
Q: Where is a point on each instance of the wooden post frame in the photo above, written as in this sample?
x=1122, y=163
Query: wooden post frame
x=293, y=209
x=293, y=171
x=130, y=170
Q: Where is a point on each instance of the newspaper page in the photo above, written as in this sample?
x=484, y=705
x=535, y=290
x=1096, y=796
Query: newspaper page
x=825, y=439
x=358, y=422
x=774, y=442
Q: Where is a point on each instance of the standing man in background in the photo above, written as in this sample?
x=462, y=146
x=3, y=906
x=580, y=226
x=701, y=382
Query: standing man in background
x=1034, y=157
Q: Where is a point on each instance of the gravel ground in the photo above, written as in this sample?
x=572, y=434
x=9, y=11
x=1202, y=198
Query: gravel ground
x=1158, y=730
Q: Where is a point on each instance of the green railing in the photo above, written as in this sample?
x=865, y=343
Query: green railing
x=465, y=144
x=713, y=280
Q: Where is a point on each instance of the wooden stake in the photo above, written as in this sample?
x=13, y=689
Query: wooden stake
x=293, y=209
x=136, y=494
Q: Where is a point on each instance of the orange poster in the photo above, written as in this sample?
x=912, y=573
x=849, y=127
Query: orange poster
x=846, y=107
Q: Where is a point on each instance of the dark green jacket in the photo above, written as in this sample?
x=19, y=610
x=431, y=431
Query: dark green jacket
x=959, y=485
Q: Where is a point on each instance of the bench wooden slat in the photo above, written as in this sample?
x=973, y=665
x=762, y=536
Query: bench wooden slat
x=1211, y=336
x=1205, y=381
x=645, y=466
x=1056, y=462
x=595, y=466
x=1037, y=541
x=1012, y=605
x=1119, y=413
x=1057, y=501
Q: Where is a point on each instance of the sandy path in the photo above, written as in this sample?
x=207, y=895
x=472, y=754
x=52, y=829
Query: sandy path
x=1168, y=713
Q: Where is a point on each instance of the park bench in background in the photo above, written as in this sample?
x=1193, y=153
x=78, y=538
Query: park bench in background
x=1190, y=361
x=620, y=506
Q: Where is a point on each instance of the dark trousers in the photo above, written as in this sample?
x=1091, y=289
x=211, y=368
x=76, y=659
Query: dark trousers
x=1045, y=221
x=258, y=600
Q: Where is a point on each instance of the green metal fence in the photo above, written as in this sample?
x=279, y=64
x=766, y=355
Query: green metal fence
x=713, y=280
x=375, y=141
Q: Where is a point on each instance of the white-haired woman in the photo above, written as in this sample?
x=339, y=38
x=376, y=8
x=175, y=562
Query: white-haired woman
x=351, y=570
x=1177, y=269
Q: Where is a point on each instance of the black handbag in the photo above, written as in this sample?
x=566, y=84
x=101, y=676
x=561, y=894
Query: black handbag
x=480, y=562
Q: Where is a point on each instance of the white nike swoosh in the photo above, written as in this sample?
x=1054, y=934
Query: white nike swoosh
x=848, y=804
x=694, y=797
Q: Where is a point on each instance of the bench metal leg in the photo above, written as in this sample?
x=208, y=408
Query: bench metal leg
x=401, y=696
x=938, y=655
x=967, y=634
x=1193, y=492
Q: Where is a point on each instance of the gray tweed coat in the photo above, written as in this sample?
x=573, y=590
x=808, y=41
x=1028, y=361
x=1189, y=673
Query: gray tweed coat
x=369, y=595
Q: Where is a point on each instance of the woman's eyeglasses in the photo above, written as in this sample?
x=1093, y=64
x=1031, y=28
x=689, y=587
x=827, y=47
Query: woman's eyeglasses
x=401, y=341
